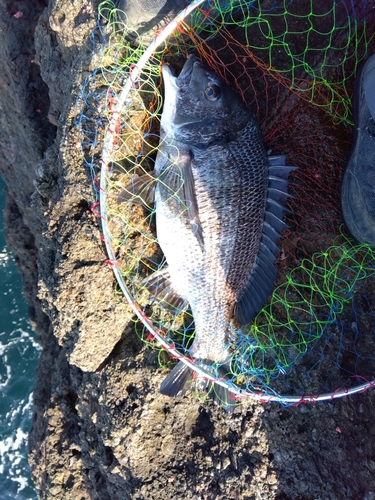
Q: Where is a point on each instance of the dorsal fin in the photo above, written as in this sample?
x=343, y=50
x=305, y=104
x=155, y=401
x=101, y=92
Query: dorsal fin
x=261, y=281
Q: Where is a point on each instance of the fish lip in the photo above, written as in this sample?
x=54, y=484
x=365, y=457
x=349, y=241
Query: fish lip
x=167, y=72
x=169, y=80
x=185, y=76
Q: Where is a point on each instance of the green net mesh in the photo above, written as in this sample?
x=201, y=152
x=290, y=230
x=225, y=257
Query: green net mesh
x=294, y=64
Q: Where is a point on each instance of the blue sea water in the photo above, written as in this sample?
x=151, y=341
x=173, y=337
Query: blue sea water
x=19, y=353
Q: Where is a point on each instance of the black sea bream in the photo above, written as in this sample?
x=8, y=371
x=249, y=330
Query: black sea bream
x=219, y=203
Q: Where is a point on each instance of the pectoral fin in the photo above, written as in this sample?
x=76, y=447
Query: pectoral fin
x=176, y=184
x=141, y=188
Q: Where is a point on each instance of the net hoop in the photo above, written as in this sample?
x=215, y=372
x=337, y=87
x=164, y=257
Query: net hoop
x=237, y=392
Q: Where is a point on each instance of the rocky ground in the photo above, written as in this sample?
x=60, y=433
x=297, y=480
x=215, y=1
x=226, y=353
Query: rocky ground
x=101, y=430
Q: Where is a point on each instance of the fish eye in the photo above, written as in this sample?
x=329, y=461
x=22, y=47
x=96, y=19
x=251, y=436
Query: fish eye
x=212, y=92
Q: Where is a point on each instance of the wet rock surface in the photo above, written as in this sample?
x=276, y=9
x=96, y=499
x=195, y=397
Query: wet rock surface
x=101, y=429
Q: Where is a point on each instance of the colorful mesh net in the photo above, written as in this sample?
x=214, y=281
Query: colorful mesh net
x=294, y=64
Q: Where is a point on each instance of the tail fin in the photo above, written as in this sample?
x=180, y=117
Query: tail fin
x=175, y=385
x=175, y=382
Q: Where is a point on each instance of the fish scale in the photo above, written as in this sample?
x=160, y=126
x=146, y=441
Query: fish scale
x=239, y=193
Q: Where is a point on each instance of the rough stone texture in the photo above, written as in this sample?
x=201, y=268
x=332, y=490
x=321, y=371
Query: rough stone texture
x=102, y=431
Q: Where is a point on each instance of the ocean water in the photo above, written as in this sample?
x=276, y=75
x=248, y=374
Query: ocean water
x=19, y=353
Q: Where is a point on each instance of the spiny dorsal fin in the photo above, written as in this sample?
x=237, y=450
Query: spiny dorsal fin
x=261, y=281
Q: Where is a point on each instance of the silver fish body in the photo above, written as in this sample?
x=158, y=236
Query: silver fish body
x=217, y=223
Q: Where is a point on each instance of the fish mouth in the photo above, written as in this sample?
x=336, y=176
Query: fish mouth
x=173, y=82
x=172, y=87
x=186, y=72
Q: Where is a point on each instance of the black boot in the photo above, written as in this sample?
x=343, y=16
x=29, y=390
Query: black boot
x=358, y=185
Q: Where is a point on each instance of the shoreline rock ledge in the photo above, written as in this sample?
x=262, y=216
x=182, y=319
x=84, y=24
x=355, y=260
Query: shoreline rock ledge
x=101, y=430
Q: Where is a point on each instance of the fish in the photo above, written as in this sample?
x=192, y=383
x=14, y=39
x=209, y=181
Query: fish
x=219, y=202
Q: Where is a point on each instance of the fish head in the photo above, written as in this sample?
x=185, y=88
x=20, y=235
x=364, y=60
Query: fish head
x=199, y=107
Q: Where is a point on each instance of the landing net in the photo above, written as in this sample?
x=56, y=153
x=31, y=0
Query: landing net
x=294, y=64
